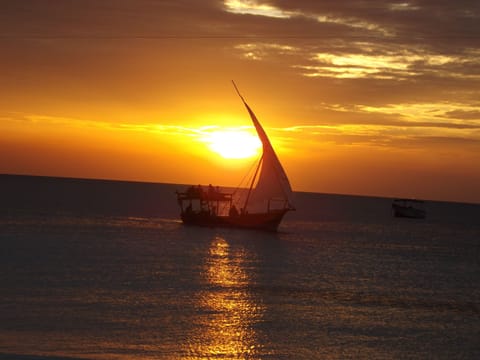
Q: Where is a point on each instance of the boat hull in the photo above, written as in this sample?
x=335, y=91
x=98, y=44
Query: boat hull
x=408, y=212
x=259, y=221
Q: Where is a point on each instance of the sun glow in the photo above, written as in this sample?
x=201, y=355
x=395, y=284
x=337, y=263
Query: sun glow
x=233, y=144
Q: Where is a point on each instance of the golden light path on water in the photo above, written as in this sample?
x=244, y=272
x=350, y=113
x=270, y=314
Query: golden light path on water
x=232, y=311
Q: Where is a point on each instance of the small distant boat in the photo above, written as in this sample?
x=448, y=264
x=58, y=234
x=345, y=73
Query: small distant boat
x=264, y=205
x=409, y=208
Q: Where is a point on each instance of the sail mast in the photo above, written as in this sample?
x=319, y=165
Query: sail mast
x=238, y=92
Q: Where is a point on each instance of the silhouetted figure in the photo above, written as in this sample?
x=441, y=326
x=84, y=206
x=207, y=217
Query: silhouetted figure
x=233, y=211
x=211, y=191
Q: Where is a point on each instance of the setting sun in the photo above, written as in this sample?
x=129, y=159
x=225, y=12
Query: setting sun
x=233, y=144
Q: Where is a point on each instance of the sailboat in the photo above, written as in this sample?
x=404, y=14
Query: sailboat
x=409, y=208
x=263, y=206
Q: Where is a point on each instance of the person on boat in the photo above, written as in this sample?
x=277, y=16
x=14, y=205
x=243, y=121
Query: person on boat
x=211, y=192
x=191, y=191
x=200, y=192
x=233, y=211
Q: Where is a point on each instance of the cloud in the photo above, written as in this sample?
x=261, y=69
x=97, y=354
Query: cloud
x=255, y=8
x=390, y=63
x=396, y=125
x=408, y=22
x=384, y=136
x=260, y=51
x=463, y=114
x=60, y=123
x=382, y=52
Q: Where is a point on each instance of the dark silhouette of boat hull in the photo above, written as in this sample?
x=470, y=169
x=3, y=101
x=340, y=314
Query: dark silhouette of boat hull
x=258, y=221
x=408, y=208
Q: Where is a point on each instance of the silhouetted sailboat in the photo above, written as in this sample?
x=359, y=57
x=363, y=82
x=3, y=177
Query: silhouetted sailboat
x=267, y=200
x=409, y=208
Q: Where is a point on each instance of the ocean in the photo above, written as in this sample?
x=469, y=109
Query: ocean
x=94, y=269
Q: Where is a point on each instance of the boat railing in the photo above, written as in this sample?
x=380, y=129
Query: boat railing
x=198, y=193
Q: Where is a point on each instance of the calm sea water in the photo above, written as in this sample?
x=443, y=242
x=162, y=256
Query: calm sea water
x=104, y=270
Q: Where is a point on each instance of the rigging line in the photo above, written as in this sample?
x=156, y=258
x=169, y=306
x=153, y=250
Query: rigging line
x=253, y=180
x=254, y=163
x=247, y=175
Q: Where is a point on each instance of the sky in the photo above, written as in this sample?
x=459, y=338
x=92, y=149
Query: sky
x=378, y=98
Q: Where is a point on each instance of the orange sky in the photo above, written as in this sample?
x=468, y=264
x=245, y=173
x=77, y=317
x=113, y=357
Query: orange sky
x=371, y=98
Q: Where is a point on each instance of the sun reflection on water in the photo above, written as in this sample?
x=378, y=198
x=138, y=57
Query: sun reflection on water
x=230, y=310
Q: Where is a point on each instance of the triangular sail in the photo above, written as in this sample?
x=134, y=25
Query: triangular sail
x=272, y=185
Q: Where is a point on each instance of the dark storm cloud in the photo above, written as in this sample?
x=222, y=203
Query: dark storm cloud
x=88, y=18
x=436, y=20
x=431, y=23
